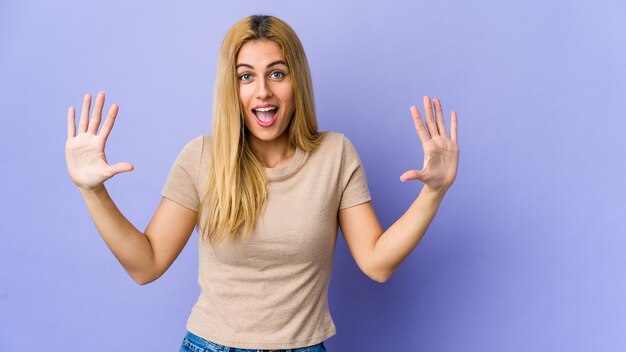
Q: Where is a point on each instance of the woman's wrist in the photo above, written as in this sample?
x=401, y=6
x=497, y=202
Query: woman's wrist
x=433, y=194
x=92, y=192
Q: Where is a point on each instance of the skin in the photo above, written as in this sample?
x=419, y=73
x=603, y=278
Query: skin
x=264, y=79
x=144, y=255
x=378, y=253
x=147, y=255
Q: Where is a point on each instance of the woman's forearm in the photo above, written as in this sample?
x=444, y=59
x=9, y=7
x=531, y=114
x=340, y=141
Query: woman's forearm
x=441, y=161
x=395, y=244
x=131, y=248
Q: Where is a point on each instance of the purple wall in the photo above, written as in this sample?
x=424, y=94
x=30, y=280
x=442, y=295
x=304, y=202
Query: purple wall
x=526, y=253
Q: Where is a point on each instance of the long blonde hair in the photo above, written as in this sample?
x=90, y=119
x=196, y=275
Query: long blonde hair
x=237, y=183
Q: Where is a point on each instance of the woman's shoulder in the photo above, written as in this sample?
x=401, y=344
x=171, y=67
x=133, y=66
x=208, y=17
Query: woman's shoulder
x=334, y=138
x=195, y=150
x=197, y=144
x=335, y=142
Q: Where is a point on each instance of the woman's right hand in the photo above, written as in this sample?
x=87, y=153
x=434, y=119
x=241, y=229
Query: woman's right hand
x=84, y=151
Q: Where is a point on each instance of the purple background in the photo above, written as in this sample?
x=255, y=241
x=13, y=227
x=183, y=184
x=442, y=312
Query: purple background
x=527, y=253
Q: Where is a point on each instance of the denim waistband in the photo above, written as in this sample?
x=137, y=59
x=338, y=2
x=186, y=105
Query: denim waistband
x=194, y=343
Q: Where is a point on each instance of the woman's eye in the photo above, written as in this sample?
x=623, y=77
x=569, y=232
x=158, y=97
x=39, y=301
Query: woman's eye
x=245, y=77
x=277, y=75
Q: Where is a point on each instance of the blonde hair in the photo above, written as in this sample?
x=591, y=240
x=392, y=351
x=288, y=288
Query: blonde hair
x=237, y=183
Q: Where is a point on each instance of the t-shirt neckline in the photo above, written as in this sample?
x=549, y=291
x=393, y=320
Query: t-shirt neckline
x=285, y=171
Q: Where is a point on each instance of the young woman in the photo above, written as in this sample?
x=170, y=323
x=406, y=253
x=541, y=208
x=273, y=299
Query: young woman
x=267, y=193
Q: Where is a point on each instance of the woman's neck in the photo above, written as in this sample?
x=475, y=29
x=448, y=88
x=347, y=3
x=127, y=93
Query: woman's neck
x=274, y=153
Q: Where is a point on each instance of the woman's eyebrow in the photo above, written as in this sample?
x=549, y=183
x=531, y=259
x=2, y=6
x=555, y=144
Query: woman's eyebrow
x=277, y=62
x=274, y=63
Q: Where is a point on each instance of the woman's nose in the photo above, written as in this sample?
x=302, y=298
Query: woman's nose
x=263, y=89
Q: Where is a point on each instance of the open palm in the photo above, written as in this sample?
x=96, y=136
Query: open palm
x=441, y=152
x=84, y=151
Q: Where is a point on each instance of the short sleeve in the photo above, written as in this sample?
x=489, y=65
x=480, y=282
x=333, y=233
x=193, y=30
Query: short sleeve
x=182, y=182
x=353, y=180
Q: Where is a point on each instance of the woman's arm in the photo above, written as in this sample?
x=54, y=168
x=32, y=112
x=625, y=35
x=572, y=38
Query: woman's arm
x=145, y=256
x=378, y=254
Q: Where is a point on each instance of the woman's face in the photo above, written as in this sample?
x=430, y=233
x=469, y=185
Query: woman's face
x=265, y=91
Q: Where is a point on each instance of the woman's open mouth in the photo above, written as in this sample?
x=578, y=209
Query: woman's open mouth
x=266, y=116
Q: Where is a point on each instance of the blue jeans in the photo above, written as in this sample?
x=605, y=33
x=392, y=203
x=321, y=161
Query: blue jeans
x=193, y=343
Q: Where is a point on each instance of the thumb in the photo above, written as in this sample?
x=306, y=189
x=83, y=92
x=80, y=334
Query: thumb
x=412, y=175
x=121, y=167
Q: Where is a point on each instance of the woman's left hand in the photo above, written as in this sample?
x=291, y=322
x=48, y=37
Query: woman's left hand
x=441, y=152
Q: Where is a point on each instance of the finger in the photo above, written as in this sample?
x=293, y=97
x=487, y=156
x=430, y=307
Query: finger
x=109, y=122
x=419, y=125
x=454, y=122
x=430, y=119
x=411, y=175
x=120, y=167
x=84, y=114
x=96, y=115
x=441, y=124
x=71, y=123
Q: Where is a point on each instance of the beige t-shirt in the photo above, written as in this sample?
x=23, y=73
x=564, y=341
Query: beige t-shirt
x=271, y=290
